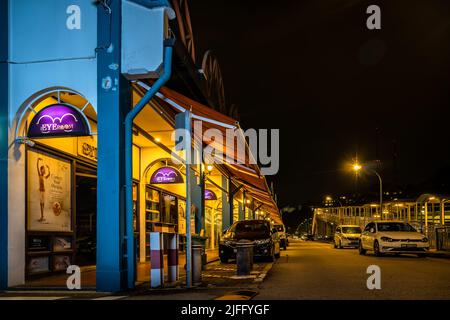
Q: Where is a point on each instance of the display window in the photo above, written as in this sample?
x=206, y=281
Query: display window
x=49, y=212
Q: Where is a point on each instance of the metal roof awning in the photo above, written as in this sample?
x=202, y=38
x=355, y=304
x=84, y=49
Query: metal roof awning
x=242, y=171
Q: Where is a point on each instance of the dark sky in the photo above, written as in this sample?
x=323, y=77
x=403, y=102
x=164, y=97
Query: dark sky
x=312, y=69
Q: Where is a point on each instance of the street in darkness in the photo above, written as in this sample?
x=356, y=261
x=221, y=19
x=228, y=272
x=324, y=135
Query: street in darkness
x=315, y=270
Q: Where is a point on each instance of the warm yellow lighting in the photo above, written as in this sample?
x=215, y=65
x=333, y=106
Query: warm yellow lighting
x=431, y=198
x=357, y=167
x=328, y=198
x=158, y=140
x=209, y=168
x=248, y=201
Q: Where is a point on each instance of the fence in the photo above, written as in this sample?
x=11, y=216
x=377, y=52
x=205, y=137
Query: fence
x=443, y=238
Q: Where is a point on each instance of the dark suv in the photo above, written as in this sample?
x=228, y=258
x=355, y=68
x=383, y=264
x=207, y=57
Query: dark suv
x=267, y=242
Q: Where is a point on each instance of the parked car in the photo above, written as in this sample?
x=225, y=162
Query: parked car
x=284, y=241
x=267, y=241
x=307, y=236
x=392, y=237
x=347, y=236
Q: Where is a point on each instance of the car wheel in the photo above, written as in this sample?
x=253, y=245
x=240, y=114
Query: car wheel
x=224, y=259
x=421, y=255
x=376, y=249
x=361, y=250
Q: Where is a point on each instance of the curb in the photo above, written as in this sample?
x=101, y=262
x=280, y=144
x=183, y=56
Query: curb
x=264, y=273
x=441, y=255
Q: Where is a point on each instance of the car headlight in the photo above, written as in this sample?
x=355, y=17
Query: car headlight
x=262, y=241
x=425, y=239
x=386, y=239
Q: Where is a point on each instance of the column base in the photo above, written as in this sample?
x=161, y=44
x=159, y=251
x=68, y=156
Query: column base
x=111, y=281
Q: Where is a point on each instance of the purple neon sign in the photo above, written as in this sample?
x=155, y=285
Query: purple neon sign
x=210, y=195
x=58, y=120
x=166, y=175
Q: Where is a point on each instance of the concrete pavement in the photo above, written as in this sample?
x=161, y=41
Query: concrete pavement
x=307, y=270
x=315, y=270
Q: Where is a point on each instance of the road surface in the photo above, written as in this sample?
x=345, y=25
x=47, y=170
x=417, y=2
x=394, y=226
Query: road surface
x=314, y=270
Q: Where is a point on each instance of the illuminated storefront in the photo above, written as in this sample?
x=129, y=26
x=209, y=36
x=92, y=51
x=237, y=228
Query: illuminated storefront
x=62, y=141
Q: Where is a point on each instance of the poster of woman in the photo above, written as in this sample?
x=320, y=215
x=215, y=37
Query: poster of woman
x=49, y=193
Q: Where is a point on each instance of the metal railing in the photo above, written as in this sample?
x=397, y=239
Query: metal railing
x=442, y=235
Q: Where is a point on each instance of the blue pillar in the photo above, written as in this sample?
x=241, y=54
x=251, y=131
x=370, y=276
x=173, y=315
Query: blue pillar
x=226, y=213
x=114, y=101
x=3, y=144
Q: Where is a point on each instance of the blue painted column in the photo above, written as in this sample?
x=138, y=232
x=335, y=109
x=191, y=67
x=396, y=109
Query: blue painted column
x=114, y=101
x=226, y=213
x=4, y=85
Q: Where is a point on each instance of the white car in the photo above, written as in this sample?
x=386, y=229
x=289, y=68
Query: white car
x=347, y=236
x=392, y=237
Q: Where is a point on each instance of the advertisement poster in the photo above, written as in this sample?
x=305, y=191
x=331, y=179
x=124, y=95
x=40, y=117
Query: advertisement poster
x=49, y=193
x=181, y=217
x=38, y=243
x=62, y=243
x=38, y=264
x=61, y=263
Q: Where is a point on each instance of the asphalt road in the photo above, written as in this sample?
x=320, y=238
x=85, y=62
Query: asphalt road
x=314, y=270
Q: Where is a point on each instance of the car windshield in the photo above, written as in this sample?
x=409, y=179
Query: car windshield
x=351, y=230
x=394, y=226
x=252, y=230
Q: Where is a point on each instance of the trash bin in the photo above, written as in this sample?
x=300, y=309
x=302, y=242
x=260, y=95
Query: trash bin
x=199, y=240
x=244, y=257
x=197, y=252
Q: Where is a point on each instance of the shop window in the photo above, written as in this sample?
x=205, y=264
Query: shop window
x=152, y=205
x=169, y=209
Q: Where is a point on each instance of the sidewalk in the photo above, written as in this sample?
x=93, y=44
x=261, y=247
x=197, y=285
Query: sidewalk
x=218, y=280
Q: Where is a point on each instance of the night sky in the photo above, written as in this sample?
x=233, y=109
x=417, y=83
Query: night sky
x=336, y=89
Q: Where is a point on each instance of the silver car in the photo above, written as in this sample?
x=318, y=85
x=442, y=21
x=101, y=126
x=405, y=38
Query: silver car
x=347, y=236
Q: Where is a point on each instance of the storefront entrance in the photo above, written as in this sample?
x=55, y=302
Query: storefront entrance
x=86, y=219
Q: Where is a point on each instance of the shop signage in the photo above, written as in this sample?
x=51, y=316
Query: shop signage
x=58, y=120
x=166, y=175
x=210, y=195
x=87, y=147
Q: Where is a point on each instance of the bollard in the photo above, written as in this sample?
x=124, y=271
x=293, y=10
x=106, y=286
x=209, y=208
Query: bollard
x=172, y=258
x=156, y=260
x=244, y=257
x=197, y=252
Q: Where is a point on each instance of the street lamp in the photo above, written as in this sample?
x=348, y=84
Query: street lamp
x=358, y=167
